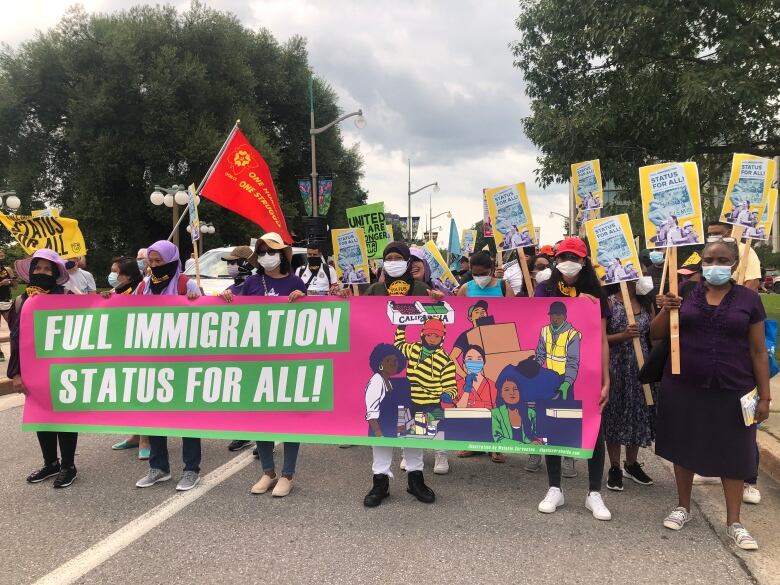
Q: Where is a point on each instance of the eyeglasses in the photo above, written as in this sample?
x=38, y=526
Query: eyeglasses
x=541, y=266
x=264, y=252
x=726, y=239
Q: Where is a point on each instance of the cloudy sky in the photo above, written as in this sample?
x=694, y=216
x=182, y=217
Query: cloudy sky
x=435, y=81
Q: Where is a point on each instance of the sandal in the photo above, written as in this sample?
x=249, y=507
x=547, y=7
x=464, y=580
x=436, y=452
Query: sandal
x=497, y=457
x=122, y=445
x=466, y=453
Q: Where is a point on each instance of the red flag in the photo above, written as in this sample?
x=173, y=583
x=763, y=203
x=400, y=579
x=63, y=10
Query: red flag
x=241, y=182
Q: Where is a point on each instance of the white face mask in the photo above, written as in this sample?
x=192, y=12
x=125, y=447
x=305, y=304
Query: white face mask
x=543, y=275
x=644, y=285
x=483, y=281
x=269, y=261
x=395, y=268
x=569, y=268
x=232, y=270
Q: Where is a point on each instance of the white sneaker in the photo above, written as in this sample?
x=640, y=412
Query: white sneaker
x=595, y=504
x=403, y=463
x=742, y=537
x=552, y=501
x=677, y=518
x=750, y=494
x=700, y=480
x=441, y=465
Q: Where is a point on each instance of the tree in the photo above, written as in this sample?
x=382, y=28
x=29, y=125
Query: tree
x=635, y=83
x=96, y=111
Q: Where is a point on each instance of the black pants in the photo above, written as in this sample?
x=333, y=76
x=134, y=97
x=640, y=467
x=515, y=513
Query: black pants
x=754, y=480
x=67, y=441
x=595, y=466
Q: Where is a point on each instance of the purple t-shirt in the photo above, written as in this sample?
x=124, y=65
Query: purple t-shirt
x=262, y=285
x=543, y=291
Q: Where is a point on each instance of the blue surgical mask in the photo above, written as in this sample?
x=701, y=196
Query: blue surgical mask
x=716, y=275
x=113, y=279
x=656, y=257
x=474, y=366
x=141, y=265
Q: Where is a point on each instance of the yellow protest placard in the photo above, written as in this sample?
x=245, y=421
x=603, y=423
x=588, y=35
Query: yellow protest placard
x=612, y=249
x=763, y=226
x=351, y=255
x=468, y=240
x=587, y=186
x=510, y=215
x=441, y=275
x=390, y=232
x=671, y=205
x=748, y=191
x=55, y=233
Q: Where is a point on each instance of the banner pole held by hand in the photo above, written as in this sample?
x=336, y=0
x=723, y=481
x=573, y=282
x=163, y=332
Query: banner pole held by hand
x=743, y=261
x=640, y=358
x=664, y=272
x=674, y=316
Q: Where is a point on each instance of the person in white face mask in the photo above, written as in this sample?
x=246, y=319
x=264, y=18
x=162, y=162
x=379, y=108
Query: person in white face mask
x=487, y=280
x=627, y=420
x=239, y=267
x=574, y=276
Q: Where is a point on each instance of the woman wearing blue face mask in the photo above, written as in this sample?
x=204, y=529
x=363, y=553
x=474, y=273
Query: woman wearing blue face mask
x=125, y=276
x=723, y=356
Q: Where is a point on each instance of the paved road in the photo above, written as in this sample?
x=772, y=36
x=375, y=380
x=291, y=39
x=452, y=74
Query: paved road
x=484, y=527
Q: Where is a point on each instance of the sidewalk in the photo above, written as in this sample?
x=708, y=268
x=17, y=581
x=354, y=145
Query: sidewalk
x=769, y=435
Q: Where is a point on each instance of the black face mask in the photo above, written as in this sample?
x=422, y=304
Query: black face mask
x=315, y=263
x=165, y=270
x=43, y=281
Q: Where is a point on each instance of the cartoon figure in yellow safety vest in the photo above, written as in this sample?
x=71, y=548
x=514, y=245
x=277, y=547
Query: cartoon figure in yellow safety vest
x=559, y=349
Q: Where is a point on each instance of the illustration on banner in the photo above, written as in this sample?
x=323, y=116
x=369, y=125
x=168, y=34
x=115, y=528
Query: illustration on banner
x=484, y=388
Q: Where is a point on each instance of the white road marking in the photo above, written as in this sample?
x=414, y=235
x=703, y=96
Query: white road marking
x=93, y=557
x=11, y=401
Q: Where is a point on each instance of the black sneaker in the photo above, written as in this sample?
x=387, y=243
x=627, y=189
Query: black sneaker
x=615, y=479
x=65, y=477
x=45, y=472
x=635, y=472
x=255, y=453
x=238, y=445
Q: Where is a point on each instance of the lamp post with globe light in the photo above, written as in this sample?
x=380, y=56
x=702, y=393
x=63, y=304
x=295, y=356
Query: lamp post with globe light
x=205, y=229
x=360, y=123
x=174, y=198
x=409, y=194
x=10, y=200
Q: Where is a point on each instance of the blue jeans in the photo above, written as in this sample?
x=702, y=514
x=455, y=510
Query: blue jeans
x=158, y=456
x=266, y=451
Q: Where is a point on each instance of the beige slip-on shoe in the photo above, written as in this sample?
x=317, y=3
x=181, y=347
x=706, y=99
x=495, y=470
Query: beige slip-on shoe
x=264, y=484
x=283, y=487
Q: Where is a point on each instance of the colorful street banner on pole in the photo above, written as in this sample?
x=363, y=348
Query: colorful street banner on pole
x=193, y=211
x=510, y=215
x=487, y=224
x=304, y=188
x=612, y=249
x=468, y=241
x=263, y=369
x=325, y=192
x=586, y=182
x=351, y=256
x=60, y=234
x=240, y=181
x=748, y=190
x=763, y=228
x=371, y=218
x=671, y=205
x=441, y=275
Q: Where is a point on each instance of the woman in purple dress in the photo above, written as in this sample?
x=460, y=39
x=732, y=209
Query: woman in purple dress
x=723, y=356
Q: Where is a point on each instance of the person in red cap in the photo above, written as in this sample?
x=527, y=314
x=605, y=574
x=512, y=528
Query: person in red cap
x=573, y=276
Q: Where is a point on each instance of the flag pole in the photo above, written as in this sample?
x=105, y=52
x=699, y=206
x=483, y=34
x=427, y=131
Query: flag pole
x=208, y=173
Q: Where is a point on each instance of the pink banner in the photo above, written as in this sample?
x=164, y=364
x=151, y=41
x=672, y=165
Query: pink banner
x=511, y=375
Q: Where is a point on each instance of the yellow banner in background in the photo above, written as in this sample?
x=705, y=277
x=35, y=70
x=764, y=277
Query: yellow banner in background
x=763, y=226
x=441, y=275
x=748, y=191
x=612, y=249
x=510, y=215
x=671, y=205
x=350, y=255
x=55, y=233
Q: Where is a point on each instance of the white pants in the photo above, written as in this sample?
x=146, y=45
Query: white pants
x=383, y=459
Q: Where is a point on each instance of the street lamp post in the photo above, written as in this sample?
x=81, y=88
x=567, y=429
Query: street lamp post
x=409, y=194
x=205, y=229
x=360, y=123
x=174, y=197
x=431, y=217
x=565, y=217
x=10, y=199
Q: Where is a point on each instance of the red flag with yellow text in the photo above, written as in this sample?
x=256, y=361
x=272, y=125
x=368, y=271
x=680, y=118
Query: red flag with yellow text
x=241, y=182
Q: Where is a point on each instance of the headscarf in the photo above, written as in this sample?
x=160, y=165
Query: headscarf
x=168, y=284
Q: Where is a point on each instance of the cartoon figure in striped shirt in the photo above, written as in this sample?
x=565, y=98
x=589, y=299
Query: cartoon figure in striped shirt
x=430, y=371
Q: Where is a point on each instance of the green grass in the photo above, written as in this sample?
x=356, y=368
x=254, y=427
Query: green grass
x=772, y=306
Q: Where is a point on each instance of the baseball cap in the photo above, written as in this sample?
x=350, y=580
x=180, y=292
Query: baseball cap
x=239, y=252
x=574, y=246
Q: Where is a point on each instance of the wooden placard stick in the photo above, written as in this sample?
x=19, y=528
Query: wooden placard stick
x=664, y=272
x=526, y=273
x=743, y=261
x=674, y=316
x=355, y=290
x=640, y=358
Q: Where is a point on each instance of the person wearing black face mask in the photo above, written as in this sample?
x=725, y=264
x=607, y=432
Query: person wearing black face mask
x=317, y=275
x=7, y=280
x=46, y=274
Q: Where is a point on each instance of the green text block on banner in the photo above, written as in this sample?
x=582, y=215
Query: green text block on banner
x=372, y=219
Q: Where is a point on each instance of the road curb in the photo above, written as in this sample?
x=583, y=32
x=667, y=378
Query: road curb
x=6, y=386
x=769, y=449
